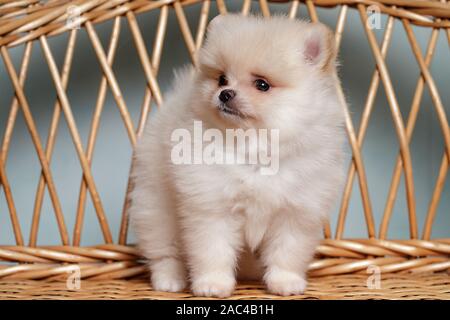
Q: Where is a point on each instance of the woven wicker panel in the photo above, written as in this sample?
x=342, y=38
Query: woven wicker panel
x=406, y=287
x=24, y=23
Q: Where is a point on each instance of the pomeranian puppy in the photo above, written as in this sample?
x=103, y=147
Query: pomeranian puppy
x=208, y=223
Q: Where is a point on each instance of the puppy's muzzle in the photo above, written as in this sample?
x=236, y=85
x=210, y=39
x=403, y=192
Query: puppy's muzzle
x=227, y=95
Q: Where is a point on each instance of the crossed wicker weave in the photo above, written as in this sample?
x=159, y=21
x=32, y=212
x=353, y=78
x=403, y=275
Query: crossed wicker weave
x=23, y=22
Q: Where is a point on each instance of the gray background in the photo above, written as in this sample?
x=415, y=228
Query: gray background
x=112, y=154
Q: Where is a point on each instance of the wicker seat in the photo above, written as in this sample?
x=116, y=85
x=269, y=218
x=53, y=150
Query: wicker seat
x=394, y=286
x=409, y=269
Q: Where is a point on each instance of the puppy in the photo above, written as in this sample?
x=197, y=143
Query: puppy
x=211, y=222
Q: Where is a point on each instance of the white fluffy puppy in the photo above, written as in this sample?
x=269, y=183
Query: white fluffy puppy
x=205, y=222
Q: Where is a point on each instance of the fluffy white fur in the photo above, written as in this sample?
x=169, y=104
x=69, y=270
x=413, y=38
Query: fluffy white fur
x=209, y=223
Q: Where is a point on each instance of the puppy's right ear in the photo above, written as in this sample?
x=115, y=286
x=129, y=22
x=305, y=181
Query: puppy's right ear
x=319, y=47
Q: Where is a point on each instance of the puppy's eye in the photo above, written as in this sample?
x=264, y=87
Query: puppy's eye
x=223, y=81
x=262, y=85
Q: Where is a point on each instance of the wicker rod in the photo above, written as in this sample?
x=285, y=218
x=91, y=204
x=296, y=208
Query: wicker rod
x=409, y=130
x=51, y=140
x=398, y=121
x=221, y=6
x=11, y=207
x=264, y=7
x=393, y=286
x=143, y=55
x=76, y=140
x=187, y=35
x=440, y=110
x=14, y=108
x=335, y=257
x=112, y=81
x=246, y=4
x=410, y=127
x=437, y=192
x=94, y=130
x=418, y=12
x=362, y=130
x=202, y=24
x=342, y=18
x=37, y=143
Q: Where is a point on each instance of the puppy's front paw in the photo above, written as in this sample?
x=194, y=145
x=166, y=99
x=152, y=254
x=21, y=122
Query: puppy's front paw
x=217, y=285
x=285, y=283
x=167, y=283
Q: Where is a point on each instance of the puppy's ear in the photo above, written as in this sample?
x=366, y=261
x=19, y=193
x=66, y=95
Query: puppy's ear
x=319, y=47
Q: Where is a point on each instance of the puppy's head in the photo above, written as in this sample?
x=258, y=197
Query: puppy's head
x=265, y=73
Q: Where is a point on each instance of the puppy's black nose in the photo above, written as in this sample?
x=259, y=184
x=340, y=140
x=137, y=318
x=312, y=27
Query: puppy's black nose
x=226, y=95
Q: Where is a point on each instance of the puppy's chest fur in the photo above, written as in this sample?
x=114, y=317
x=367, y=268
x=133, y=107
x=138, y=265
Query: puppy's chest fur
x=255, y=200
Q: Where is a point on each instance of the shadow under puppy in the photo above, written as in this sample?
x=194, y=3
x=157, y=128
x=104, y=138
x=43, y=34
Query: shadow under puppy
x=208, y=223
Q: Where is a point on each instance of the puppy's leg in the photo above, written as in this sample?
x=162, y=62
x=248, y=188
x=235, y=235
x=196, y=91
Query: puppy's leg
x=155, y=225
x=212, y=243
x=286, y=253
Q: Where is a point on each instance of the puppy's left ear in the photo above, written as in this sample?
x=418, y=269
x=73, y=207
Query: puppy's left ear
x=319, y=47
